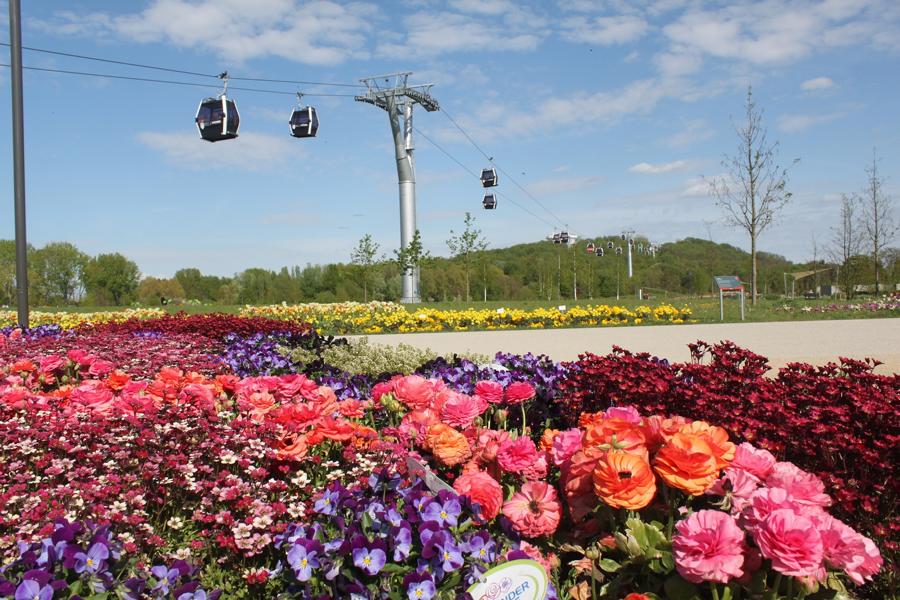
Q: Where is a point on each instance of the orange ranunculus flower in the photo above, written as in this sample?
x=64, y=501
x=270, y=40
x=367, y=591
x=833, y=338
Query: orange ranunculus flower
x=617, y=434
x=292, y=447
x=624, y=480
x=717, y=438
x=659, y=429
x=449, y=446
x=117, y=380
x=687, y=462
x=547, y=439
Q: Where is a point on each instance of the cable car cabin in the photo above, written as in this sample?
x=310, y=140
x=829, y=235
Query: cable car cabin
x=489, y=202
x=590, y=248
x=218, y=119
x=489, y=177
x=304, y=122
x=599, y=252
x=609, y=245
x=618, y=250
x=564, y=237
x=556, y=238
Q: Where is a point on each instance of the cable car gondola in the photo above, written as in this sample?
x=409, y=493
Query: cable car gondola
x=564, y=237
x=556, y=238
x=304, y=121
x=489, y=177
x=218, y=118
x=609, y=245
x=599, y=252
x=489, y=202
x=618, y=250
x=590, y=248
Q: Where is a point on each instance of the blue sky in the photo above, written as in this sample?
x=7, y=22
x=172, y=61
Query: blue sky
x=608, y=112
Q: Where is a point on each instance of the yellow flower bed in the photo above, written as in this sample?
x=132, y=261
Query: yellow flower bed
x=70, y=320
x=384, y=317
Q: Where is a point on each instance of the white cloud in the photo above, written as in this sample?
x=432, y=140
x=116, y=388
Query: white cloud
x=782, y=31
x=669, y=167
x=483, y=7
x=318, y=32
x=430, y=34
x=697, y=187
x=795, y=123
x=249, y=152
x=604, y=31
x=819, y=83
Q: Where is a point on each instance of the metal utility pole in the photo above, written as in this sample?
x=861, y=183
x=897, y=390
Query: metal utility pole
x=574, y=273
x=392, y=94
x=18, y=139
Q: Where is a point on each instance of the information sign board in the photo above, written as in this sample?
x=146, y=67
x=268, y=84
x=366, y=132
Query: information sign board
x=514, y=580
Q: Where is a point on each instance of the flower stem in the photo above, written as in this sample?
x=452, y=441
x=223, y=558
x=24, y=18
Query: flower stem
x=773, y=591
x=524, y=420
x=715, y=591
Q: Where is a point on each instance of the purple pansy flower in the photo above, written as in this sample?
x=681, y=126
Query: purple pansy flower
x=303, y=558
x=445, y=513
x=327, y=503
x=93, y=561
x=32, y=590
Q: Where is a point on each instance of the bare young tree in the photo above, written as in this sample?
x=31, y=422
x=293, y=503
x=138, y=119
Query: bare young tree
x=846, y=243
x=877, y=216
x=754, y=189
x=466, y=246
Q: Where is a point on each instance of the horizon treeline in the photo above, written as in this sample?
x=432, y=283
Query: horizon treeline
x=60, y=275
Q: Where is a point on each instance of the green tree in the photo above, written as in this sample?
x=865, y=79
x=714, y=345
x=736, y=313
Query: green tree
x=466, y=245
x=364, y=256
x=58, y=270
x=413, y=257
x=152, y=290
x=111, y=279
x=755, y=187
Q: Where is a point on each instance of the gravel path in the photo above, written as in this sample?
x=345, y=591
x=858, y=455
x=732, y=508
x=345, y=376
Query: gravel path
x=815, y=342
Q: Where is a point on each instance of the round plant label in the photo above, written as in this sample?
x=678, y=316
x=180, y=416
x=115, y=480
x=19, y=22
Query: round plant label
x=515, y=580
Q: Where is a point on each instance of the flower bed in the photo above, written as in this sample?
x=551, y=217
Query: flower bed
x=384, y=317
x=70, y=320
x=276, y=486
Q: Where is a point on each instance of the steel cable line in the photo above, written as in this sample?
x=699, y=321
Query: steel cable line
x=181, y=71
x=172, y=82
x=476, y=176
x=499, y=168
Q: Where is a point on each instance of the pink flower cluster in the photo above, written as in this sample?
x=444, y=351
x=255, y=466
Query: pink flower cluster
x=781, y=508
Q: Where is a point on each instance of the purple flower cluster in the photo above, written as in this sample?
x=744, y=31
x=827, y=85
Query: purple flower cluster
x=34, y=333
x=79, y=560
x=385, y=536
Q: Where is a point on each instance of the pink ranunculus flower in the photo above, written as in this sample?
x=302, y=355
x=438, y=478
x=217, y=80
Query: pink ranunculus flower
x=709, y=546
x=100, y=368
x=82, y=357
x=385, y=387
x=762, y=502
x=757, y=462
x=805, y=488
x=483, y=490
x=515, y=456
x=54, y=362
x=94, y=396
x=518, y=392
x=626, y=413
x=534, y=510
x=792, y=542
x=491, y=391
x=565, y=445
x=847, y=550
x=290, y=386
x=414, y=391
x=488, y=443
x=736, y=484
x=460, y=410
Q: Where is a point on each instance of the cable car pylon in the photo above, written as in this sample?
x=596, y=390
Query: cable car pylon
x=392, y=94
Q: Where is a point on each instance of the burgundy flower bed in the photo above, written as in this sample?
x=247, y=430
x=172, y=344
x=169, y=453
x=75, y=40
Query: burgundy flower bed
x=141, y=355
x=839, y=421
x=213, y=325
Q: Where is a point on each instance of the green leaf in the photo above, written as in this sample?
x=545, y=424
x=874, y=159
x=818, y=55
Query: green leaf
x=393, y=568
x=679, y=589
x=609, y=565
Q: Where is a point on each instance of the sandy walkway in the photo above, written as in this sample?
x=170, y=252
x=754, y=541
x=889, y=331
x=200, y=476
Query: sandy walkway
x=815, y=342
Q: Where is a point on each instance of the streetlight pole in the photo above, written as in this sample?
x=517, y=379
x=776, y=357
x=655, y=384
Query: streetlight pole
x=18, y=139
x=574, y=273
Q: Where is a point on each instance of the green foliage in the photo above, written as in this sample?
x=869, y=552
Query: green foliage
x=152, y=290
x=364, y=256
x=111, y=279
x=55, y=273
